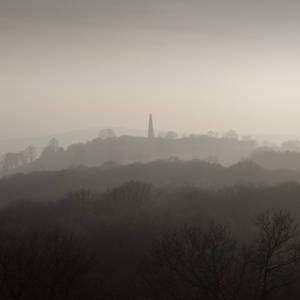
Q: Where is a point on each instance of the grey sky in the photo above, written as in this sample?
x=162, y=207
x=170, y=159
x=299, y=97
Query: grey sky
x=196, y=65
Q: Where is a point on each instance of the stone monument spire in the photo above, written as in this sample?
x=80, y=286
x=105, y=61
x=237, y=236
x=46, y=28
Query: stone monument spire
x=151, y=128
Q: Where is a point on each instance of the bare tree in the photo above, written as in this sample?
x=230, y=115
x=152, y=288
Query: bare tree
x=11, y=161
x=205, y=265
x=106, y=133
x=30, y=154
x=52, y=147
x=40, y=265
x=14, y=160
x=211, y=264
x=231, y=134
x=80, y=201
x=277, y=253
x=129, y=198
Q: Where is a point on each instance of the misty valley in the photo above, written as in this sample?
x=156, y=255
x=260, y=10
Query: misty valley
x=167, y=217
x=149, y=150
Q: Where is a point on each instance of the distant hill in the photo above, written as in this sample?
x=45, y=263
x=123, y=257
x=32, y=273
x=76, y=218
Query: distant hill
x=127, y=149
x=52, y=185
x=65, y=138
x=276, y=139
x=271, y=159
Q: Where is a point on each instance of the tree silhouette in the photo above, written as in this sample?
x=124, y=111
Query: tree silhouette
x=211, y=264
x=277, y=252
x=40, y=264
x=203, y=264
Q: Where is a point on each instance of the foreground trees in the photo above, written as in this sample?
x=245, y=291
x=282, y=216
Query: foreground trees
x=211, y=264
x=277, y=253
x=132, y=242
x=41, y=265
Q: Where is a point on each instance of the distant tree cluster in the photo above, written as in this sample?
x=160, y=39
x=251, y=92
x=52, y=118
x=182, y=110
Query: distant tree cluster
x=276, y=159
x=226, y=150
x=291, y=145
x=106, y=133
x=11, y=161
x=170, y=172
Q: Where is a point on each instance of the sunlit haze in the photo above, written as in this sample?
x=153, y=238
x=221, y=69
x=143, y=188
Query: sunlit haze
x=196, y=65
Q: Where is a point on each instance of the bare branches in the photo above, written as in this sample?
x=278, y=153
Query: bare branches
x=213, y=265
x=41, y=265
x=277, y=252
x=210, y=263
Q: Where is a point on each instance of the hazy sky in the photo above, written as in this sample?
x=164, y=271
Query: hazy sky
x=196, y=65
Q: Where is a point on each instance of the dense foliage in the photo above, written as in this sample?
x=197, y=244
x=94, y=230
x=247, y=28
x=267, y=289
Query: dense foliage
x=44, y=186
x=127, y=242
x=274, y=159
x=127, y=149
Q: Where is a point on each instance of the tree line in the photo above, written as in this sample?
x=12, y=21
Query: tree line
x=136, y=241
x=225, y=149
x=170, y=172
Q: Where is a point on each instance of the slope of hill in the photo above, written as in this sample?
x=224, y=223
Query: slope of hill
x=52, y=185
x=130, y=149
x=65, y=138
x=271, y=159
